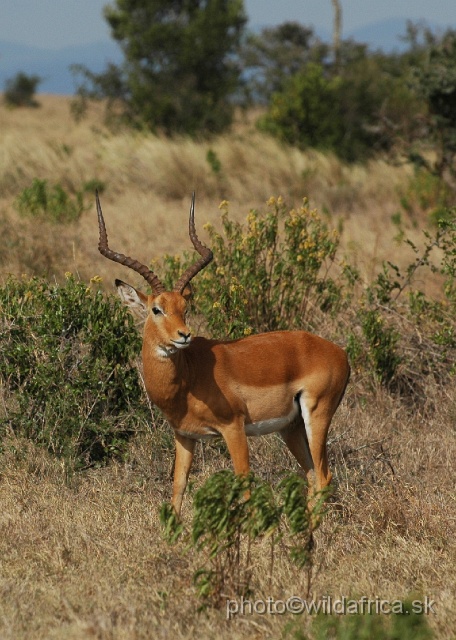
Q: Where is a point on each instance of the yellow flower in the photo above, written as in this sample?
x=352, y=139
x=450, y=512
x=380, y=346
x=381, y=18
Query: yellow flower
x=247, y=331
x=216, y=305
x=224, y=204
x=68, y=274
x=96, y=279
x=271, y=202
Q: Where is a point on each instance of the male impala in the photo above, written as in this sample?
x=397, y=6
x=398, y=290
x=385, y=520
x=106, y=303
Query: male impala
x=286, y=381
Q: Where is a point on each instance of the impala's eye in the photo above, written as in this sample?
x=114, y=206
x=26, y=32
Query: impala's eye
x=156, y=311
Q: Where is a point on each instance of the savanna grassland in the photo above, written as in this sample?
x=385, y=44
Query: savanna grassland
x=82, y=552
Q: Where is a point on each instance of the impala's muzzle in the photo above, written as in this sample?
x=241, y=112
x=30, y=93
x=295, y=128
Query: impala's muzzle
x=185, y=337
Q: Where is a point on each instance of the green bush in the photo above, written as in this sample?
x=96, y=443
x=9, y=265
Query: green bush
x=280, y=270
x=50, y=202
x=229, y=513
x=20, y=90
x=66, y=369
x=306, y=113
x=361, y=106
x=427, y=193
x=270, y=273
x=357, y=626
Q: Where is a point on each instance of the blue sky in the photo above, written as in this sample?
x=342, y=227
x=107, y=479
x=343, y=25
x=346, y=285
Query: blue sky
x=52, y=24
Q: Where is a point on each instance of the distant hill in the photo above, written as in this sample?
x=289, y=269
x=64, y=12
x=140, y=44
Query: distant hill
x=386, y=34
x=53, y=65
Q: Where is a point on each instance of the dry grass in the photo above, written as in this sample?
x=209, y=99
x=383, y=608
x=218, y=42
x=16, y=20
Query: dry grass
x=82, y=555
x=149, y=181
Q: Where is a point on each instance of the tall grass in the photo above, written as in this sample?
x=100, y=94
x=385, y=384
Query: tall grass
x=149, y=180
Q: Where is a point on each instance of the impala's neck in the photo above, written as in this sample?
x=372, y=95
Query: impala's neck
x=166, y=374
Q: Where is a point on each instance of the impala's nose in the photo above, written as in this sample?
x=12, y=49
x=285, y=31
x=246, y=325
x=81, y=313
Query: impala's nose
x=184, y=335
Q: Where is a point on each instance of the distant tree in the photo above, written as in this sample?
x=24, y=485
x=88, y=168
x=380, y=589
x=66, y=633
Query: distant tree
x=179, y=71
x=307, y=112
x=20, y=90
x=271, y=57
x=435, y=80
x=364, y=108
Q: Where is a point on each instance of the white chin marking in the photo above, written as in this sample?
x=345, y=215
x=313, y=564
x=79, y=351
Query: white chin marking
x=170, y=350
x=166, y=352
x=180, y=345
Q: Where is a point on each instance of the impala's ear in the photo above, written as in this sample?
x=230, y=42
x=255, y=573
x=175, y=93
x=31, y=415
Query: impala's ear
x=135, y=300
x=187, y=293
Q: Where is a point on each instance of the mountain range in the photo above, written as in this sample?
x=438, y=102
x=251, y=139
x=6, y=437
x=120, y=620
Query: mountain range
x=52, y=66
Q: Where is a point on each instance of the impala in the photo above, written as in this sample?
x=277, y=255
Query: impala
x=289, y=382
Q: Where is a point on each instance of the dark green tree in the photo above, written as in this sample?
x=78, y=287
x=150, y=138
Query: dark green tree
x=179, y=71
x=273, y=55
x=20, y=90
x=436, y=82
x=360, y=106
x=306, y=113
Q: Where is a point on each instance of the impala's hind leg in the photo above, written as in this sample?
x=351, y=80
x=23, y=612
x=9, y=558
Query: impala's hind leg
x=295, y=438
x=317, y=418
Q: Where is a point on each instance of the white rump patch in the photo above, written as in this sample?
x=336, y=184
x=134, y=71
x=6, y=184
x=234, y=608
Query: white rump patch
x=306, y=416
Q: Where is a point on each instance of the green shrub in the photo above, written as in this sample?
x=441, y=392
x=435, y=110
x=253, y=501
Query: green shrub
x=382, y=341
x=66, y=368
x=405, y=625
x=401, y=334
x=20, y=90
x=270, y=273
x=50, y=202
x=229, y=513
x=279, y=270
x=347, y=112
x=306, y=113
x=427, y=193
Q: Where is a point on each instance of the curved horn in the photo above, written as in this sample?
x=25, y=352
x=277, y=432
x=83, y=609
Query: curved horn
x=205, y=253
x=140, y=268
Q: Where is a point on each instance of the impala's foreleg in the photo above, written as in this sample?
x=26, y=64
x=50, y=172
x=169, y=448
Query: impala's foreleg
x=184, y=457
x=236, y=441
